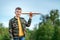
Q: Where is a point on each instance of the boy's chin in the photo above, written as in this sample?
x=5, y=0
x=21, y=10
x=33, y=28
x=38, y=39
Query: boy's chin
x=18, y=15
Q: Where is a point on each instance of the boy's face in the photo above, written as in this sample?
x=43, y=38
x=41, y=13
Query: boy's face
x=18, y=12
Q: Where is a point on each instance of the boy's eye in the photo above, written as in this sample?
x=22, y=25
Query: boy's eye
x=18, y=12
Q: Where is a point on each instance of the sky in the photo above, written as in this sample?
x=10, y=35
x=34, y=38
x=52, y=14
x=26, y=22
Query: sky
x=7, y=8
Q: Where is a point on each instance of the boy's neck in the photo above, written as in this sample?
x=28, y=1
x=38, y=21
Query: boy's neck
x=16, y=17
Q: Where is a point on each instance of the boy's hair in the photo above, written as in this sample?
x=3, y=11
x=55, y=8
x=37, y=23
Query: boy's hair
x=18, y=8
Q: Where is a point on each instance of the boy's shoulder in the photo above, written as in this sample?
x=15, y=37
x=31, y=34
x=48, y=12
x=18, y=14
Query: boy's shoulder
x=12, y=19
x=21, y=17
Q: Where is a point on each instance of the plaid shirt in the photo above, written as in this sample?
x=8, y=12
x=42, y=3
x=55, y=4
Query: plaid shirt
x=13, y=26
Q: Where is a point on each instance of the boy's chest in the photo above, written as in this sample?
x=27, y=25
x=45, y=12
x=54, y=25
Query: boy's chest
x=15, y=22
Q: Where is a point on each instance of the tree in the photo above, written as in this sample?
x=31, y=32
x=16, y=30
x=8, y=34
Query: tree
x=4, y=34
x=49, y=28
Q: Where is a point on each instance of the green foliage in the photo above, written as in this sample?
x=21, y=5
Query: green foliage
x=27, y=34
x=4, y=34
x=49, y=28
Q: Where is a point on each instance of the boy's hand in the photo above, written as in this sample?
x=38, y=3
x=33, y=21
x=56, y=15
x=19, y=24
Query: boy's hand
x=30, y=15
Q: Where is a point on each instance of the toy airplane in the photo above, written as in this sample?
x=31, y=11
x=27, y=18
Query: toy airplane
x=33, y=13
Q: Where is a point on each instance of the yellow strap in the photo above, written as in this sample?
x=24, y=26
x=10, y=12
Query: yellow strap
x=20, y=28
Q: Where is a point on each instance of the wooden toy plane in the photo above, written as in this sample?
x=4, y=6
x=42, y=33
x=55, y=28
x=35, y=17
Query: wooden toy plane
x=33, y=13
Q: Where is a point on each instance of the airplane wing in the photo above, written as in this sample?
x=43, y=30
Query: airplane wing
x=32, y=13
